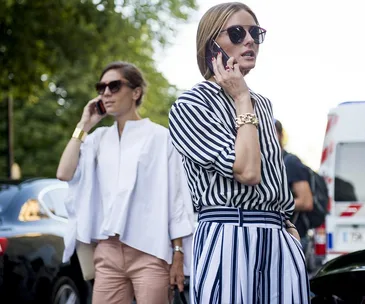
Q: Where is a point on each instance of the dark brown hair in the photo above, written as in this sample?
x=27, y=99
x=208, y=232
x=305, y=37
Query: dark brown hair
x=131, y=73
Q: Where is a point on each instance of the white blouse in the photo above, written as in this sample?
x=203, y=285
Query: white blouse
x=134, y=186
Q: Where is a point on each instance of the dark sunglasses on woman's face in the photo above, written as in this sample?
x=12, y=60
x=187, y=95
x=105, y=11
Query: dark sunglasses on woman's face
x=114, y=86
x=237, y=33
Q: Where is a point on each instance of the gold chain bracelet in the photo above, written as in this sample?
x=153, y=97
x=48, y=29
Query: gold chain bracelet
x=248, y=118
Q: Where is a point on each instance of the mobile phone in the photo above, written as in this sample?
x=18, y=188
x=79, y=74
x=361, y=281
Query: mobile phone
x=100, y=107
x=212, y=50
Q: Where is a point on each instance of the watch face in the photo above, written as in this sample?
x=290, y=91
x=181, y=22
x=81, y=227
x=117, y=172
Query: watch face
x=178, y=249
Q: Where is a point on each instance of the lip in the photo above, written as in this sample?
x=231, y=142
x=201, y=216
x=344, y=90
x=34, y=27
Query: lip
x=250, y=52
x=108, y=103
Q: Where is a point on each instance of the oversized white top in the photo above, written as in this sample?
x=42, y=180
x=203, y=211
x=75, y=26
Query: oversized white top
x=134, y=186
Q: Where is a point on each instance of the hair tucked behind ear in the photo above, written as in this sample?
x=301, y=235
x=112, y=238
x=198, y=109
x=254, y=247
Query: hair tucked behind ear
x=130, y=72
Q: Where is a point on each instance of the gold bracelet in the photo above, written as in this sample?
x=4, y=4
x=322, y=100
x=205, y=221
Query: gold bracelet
x=248, y=118
x=79, y=134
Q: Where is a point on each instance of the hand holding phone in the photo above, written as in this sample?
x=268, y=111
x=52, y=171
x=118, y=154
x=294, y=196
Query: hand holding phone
x=212, y=50
x=93, y=112
x=235, y=85
x=100, y=107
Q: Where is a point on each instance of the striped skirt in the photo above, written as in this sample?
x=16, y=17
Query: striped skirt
x=242, y=256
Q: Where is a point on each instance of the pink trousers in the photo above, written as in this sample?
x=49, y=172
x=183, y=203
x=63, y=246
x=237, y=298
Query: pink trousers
x=122, y=272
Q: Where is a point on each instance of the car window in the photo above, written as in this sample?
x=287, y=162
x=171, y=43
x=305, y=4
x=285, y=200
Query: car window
x=54, y=199
x=7, y=192
x=350, y=172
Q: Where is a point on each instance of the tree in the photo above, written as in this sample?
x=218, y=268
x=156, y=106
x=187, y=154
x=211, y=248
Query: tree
x=51, y=54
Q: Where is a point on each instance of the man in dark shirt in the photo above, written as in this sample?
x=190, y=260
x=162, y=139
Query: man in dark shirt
x=298, y=179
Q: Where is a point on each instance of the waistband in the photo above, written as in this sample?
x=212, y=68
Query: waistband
x=240, y=217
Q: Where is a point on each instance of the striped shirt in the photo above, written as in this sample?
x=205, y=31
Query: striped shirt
x=202, y=127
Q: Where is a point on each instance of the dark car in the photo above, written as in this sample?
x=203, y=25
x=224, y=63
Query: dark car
x=341, y=280
x=32, y=224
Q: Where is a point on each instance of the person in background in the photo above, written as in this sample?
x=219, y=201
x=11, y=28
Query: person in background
x=245, y=248
x=298, y=180
x=128, y=194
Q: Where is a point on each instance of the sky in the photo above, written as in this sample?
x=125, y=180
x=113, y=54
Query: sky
x=312, y=59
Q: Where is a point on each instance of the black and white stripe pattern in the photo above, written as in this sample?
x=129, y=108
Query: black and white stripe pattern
x=202, y=126
x=246, y=257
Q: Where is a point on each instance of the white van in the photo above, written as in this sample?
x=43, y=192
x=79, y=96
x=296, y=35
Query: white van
x=343, y=166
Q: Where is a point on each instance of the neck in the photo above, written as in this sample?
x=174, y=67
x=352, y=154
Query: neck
x=121, y=120
x=212, y=79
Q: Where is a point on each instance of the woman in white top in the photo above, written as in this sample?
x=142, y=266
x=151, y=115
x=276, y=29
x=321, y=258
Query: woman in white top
x=127, y=193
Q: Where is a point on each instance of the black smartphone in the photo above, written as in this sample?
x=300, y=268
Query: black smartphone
x=212, y=50
x=100, y=107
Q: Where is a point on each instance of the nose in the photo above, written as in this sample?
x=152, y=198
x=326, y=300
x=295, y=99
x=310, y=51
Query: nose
x=248, y=39
x=107, y=91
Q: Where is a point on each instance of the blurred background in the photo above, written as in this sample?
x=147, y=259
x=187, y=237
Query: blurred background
x=52, y=51
x=51, y=55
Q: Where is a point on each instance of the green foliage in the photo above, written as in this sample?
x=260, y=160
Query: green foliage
x=51, y=54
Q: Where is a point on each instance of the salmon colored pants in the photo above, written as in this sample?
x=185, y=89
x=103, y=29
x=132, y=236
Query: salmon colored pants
x=123, y=272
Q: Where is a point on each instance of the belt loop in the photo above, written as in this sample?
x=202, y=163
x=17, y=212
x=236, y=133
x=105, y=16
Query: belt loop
x=281, y=220
x=240, y=216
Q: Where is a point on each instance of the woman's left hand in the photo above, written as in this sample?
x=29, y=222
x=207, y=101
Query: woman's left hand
x=177, y=271
x=292, y=231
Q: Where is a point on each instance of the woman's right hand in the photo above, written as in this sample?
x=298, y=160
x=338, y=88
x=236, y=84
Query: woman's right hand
x=90, y=116
x=230, y=78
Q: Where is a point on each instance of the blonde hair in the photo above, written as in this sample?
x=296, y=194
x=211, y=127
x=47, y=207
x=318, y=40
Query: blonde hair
x=209, y=27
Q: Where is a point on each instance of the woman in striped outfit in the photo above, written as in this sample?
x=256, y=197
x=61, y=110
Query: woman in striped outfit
x=245, y=248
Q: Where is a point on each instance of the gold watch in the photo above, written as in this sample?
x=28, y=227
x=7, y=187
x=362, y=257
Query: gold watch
x=79, y=134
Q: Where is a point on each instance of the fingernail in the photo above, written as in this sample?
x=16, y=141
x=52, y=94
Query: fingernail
x=212, y=58
x=219, y=53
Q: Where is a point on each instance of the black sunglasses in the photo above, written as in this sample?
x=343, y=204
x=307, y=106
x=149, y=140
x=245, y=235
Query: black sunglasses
x=237, y=33
x=114, y=86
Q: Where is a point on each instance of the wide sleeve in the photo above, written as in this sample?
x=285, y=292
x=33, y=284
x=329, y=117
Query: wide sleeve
x=76, y=195
x=200, y=135
x=88, y=150
x=84, y=212
x=181, y=216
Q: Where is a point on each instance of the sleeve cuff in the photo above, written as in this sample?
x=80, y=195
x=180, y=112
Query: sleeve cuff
x=180, y=228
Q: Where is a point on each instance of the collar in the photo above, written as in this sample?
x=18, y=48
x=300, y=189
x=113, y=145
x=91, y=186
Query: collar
x=211, y=86
x=215, y=87
x=132, y=123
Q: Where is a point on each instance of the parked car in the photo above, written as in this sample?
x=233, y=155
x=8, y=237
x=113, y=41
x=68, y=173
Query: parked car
x=341, y=280
x=32, y=224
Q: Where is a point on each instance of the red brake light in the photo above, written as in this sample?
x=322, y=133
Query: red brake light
x=3, y=245
x=320, y=240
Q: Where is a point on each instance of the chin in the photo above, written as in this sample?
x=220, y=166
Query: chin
x=111, y=113
x=246, y=69
x=246, y=66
